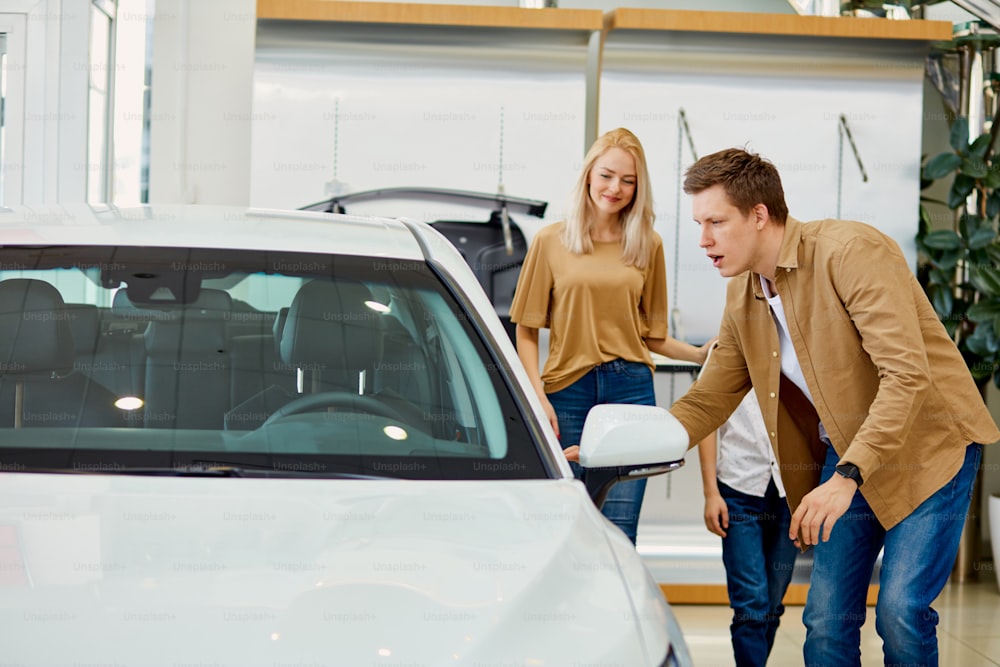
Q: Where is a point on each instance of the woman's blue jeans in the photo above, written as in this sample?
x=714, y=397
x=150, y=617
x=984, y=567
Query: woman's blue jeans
x=918, y=555
x=616, y=381
x=759, y=559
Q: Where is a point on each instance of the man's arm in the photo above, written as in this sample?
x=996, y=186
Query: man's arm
x=874, y=282
x=721, y=385
x=883, y=312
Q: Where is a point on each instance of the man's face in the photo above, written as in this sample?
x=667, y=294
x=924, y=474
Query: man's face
x=730, y=238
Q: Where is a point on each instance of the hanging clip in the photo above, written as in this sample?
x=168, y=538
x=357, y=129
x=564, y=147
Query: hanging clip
x=857, y=156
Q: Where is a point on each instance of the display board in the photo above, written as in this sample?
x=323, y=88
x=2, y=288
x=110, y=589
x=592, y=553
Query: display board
x=369, y=106
x=784, y=100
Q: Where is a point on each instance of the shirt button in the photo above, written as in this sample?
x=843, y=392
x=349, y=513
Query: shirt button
x=774, y=353
x=788, y=269
x=772, y=394
x=772, y=434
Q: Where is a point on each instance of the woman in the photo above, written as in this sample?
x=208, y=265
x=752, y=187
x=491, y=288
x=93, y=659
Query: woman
x=597, y=281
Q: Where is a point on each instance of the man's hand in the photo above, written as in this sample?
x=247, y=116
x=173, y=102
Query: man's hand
x=820, y=508
x=716, y=514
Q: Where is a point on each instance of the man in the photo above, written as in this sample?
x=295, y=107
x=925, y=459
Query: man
x=872, y=414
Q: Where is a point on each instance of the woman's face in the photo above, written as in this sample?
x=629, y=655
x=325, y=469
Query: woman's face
x=611, y=182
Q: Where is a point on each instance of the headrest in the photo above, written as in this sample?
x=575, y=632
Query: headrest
x=190, y=335
x=329, y=326
x=85, y=325
x=35, y=336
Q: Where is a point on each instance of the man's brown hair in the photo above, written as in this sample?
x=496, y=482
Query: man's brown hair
x=747, y=178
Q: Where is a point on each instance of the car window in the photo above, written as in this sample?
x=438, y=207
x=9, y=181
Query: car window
x=247, y=362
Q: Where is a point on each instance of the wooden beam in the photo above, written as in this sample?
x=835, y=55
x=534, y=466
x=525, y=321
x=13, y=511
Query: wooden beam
x=777, y=24
x=482, y=16
x=717, y=594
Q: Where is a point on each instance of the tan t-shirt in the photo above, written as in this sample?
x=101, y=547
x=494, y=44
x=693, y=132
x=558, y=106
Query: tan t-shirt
x=596, y=308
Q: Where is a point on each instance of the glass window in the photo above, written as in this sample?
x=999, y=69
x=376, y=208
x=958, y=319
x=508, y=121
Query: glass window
x=100, y=84
x=250, y=361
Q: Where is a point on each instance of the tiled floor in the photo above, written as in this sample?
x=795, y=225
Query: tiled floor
x=968, y=633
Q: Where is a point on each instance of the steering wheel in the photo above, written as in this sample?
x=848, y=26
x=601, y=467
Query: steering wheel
x=334, y=399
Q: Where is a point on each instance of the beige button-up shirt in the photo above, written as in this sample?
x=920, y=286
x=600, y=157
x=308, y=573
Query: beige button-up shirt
x=887, y=382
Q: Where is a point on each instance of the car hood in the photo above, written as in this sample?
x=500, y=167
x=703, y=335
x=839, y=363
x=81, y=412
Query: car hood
x=128, y=570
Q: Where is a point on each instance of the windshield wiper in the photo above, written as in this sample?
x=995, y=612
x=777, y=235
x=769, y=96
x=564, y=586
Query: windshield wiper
x=283, y=469
x=166, y=471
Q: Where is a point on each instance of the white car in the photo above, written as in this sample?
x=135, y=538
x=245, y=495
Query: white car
x=238, y=437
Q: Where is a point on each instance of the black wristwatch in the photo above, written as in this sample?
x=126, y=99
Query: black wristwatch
x=850, y=471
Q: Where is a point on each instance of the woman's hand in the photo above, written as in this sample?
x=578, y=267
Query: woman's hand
x=550, y=412
x=704, y=350
x=572, y=453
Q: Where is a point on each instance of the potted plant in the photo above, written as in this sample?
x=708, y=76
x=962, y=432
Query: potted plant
x=959, y=261
x=958, y=265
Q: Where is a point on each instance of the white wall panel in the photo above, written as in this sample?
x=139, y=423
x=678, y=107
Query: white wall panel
x=783, y=101
x=415, y=106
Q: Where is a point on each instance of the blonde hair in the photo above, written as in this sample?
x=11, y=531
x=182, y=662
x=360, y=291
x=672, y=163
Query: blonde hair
x=636, y=218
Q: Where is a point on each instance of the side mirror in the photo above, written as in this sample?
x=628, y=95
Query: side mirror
x=623, y=442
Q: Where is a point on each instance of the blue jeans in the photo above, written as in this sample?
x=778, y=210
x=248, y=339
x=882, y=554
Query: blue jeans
x=918, y=555
x=616, y=381
x=759, y=560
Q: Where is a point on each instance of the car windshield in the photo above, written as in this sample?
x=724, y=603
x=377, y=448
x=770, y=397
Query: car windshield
x=141, y=359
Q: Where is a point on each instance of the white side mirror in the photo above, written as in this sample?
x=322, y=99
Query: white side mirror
x=631, y=435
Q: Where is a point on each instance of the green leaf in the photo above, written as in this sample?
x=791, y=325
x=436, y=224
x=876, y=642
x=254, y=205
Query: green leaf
x=959, y=137
x=986, y=279
x=941, y=165
x=948, y=260
x=993, y=204
x=974, y=167
x=993, y=178
x=983, y=341
x=967, y=224
x=924, y=222
x=981, y=238
x=979, y=147
x=993, y=252
x=951, y=326
x=984, y=311
x=937, y=276
x=960, y=190
x=942, y=301
x=943, y=239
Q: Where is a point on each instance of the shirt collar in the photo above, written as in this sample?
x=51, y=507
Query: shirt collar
x=788, y=254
